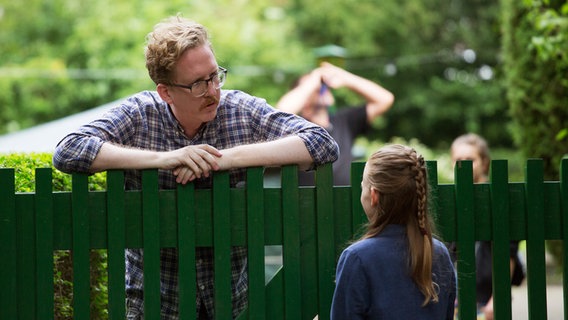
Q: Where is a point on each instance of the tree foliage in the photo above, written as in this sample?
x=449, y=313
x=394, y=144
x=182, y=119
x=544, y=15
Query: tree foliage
x=535, y=53
x=442, y=62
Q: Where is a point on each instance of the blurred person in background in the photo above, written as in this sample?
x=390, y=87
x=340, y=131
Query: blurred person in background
x=311, y=97
x=473, y=147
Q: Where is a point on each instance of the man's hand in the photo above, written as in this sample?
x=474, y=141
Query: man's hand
x=333, y=76
x=192, y=162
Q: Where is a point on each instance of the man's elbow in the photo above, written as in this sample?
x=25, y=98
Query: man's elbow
x=64, y=161
x=333, y=152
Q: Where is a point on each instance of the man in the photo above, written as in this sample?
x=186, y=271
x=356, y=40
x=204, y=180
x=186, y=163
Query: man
x=311, y=99
x=189, y=128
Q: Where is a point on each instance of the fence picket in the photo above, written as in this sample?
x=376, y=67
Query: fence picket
x=186, y=244
x=325, y=232
x=536, y=267
x=501, y=239
x=44, y=241
x=291, y=243
x=8, y=245
x=116, y=244
x=222, y=245
x=564, y=208
x=151, y=243
x=358, y=217
x=466, y=240
x=255, y=241
x=80, y=247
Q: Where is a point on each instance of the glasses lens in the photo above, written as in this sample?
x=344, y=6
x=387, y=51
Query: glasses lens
x=220, y=78
x=199, y=88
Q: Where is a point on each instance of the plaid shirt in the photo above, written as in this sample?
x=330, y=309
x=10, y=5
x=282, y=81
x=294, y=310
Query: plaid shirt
x=145, y=121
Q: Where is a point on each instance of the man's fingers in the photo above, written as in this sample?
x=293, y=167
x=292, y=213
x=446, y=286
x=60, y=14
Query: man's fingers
x=203, y=162
x=211, y=150
x=184, y=175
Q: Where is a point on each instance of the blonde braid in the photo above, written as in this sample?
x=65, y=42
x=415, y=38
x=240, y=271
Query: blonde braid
x=423, y=271
x=421, y=192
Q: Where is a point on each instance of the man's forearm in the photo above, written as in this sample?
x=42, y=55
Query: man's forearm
x=117, y=157
x=289, y=150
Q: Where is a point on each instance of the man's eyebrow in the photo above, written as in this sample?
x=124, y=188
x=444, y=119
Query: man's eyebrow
x=207, y=76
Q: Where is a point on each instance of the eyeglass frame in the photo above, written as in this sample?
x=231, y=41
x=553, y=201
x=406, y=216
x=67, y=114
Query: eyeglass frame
x=220, y=71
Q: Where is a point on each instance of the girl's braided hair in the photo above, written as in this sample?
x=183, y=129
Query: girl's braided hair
x=399, y=175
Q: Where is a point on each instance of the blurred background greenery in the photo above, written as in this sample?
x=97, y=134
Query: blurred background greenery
x=497, y=68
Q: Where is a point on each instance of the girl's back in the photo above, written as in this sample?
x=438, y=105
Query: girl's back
x=374, y=281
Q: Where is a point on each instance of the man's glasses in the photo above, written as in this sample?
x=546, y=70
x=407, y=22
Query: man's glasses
x=199, y=88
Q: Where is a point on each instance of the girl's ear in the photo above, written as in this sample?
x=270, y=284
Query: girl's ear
x=164, y=93
x=374, y=197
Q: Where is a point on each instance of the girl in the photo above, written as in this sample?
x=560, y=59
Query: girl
x=396, y=270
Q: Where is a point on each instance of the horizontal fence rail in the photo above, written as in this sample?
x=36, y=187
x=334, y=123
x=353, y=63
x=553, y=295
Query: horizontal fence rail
x=312, y=224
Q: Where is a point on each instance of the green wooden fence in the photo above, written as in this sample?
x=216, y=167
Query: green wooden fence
x=311, y=224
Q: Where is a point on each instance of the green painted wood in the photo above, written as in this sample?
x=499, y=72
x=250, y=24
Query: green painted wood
x=151, y=238
x=274, y=299
x=342, y=220
x=536, y=267
x=326, y=248
x=501, y=239
x=133, y=215
x=433, y=206
x=26, y=258
x=22, y=222
x=551, y=210
x=309, y=252
x=116, y=244
x=273, y=211
x=466, y=240
x=81, y=248
x=8, y=245
x=44, y=241
x=222, y=245
x=446, y=212
x=255, y=241
x=291, y=242
x=358, y=215
x=564, y=206
x=186, y=250
x=482, y=211
x=517, y=208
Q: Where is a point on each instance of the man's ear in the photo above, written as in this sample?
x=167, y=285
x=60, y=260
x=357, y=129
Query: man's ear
x=374, y=197
x=164, y=92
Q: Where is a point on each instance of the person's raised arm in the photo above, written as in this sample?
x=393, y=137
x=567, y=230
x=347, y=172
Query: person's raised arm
x=297, y=98
x=378, y=99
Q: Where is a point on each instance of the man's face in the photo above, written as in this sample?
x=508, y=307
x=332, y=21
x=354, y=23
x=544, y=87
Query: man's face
x=469, y=152
x=194, y=65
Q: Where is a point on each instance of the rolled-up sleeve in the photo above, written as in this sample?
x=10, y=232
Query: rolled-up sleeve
x=321, y=146
x=76, y=152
